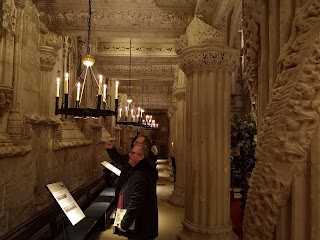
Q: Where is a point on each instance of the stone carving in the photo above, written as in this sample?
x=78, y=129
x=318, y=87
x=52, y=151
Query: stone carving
x=208, y=56
x=143, y=48
x=20, y=4
x=106, y=19
x=68, y=135
x=252, y=49
x=173, y=3
x=48, y=57
x=138, y=60
x=197, y=33
x=291, y=119
x=137, y=70
x=165, y=88
x=7, y=15
x=5, y=101
x=179, y=93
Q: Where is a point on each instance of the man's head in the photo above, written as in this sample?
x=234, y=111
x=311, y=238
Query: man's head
x=143, y=140
x=137, y=153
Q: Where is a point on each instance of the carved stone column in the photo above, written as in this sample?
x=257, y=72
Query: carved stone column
x=208, y=65
x=178, y=92
x=14, y=121
x=172, y=127
x=49, y=46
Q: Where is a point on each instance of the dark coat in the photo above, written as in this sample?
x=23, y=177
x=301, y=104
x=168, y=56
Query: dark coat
x=121, y=159
x=140, y=200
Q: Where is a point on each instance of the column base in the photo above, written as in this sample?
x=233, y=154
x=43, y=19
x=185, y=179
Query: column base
x=177, y=197
x=190, y=232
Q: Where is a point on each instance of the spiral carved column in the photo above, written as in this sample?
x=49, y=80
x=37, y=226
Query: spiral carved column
x=208, y=64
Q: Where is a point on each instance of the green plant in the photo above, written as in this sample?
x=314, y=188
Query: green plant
x=243, y=136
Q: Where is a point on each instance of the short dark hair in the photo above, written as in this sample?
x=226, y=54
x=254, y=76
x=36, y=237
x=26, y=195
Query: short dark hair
x=146, y=141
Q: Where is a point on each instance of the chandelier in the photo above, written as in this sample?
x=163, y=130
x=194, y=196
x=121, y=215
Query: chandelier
x=88, y=61
x=147, y=121
x=129, y=115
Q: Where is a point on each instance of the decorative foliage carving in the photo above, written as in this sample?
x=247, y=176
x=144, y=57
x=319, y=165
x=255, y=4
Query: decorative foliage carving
x=137, y=70
x=208, y=56
x=106, y=19
x=252, y=49
x=197, y=33
x=48, y=56
x=118, y=60
x=20, y=4
x=8, y=17
x=143, y=48
x=5, y=101
x=291, y=119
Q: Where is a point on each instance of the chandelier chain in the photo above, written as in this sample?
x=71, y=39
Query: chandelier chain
x=89, y=27
x=130, y=69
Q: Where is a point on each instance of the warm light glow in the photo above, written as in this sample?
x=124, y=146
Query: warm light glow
x=116, y=90
x=100, y=85
x=66, y=84
x=129, y=100
x=88, y=60
x=104, y=96
x=78, y=92
x=58, y=84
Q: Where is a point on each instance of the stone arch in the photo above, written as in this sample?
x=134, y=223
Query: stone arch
x=291, y=120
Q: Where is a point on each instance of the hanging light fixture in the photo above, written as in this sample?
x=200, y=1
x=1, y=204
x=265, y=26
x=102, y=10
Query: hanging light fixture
x=147, y=121
x=129, y=117
x=88, y=61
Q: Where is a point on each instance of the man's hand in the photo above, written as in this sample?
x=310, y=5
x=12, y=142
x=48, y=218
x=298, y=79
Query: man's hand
x=109, y=144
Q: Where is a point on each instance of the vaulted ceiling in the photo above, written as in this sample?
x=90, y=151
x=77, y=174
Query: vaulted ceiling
x=152, y=25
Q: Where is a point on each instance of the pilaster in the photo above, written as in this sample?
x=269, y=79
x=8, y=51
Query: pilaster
x=178, y=93
x=208, y=64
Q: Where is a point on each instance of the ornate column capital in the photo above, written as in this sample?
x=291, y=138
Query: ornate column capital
x=20, y=4
x=50, y=44
x=197, y=33
x=48, y=57
x=207, y=56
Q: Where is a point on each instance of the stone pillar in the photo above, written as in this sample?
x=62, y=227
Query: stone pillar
x=172, y=124
x=178, y=92
x=14, y=125
x=208, y=69
x=49, y=46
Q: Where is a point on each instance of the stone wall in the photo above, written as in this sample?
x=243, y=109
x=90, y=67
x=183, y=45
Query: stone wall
x=36, y=147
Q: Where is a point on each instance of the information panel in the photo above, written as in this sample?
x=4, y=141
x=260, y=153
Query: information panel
x=111, y=168
x=66, y=202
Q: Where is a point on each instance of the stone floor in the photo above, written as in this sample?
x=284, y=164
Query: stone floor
x=169, y=217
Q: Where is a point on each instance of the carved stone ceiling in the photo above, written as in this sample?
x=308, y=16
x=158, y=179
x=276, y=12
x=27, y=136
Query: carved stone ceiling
x=152, y=25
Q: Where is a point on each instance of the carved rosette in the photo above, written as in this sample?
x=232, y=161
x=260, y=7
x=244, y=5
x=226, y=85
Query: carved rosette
x=8, y=24
x=206, y=56
x=48, y=56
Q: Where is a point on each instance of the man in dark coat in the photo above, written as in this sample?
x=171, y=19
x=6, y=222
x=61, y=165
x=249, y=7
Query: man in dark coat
x=123, y=159
x=140, y=197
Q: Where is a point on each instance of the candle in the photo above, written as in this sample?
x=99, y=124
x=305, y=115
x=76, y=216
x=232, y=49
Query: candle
x=120, y=111
x=78, y=92
x=58, y=85
x=66, y=84
x=104, y=93
x=100, y=85
x=116, y=90
x=126, y=113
